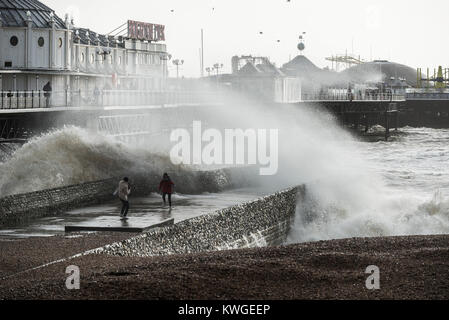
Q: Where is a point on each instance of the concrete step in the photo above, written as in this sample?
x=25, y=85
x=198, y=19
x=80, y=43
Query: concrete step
x=125, y=227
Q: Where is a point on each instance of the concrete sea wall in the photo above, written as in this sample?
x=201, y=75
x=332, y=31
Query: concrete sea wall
x=19, y=208
x=260, y=223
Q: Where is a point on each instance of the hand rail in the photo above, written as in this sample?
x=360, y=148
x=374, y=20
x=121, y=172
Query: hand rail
x=353, y=97
x=102, y=98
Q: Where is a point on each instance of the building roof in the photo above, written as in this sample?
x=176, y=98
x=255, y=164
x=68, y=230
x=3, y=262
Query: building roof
x=311, y=75
x=262, y=69
x=301, y=66
x=370, y=72
x=13, y=13
x=95, y=37
x=381, y=70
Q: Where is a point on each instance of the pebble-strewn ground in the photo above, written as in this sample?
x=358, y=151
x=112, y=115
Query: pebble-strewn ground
x=17, y=255
x=410, y=268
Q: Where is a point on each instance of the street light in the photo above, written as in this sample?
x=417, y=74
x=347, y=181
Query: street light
x=217, y=67
x=208, y=70
x=165, y=57
x=178, y=63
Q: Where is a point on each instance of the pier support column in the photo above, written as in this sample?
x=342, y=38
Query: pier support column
x=357, y=122
x=367, y=123
x=396, y=120
x=387, y=126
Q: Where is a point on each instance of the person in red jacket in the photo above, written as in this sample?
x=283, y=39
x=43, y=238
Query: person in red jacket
x=166, y=188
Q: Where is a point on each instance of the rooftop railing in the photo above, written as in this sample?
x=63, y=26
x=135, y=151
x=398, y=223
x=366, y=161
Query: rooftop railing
x=353, y=97
x=427, y=96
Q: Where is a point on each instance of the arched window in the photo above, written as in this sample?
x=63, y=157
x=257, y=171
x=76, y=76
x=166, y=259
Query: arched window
x=41, y=42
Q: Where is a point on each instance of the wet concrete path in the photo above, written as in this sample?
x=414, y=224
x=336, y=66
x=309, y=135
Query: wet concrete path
x=144, y=212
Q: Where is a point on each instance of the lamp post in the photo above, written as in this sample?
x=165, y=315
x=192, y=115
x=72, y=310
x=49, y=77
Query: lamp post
x=217, y=67
x=208, y=70
x=178, y=63
x=164, y=58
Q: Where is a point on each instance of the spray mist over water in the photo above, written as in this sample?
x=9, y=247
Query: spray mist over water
x=348, y=193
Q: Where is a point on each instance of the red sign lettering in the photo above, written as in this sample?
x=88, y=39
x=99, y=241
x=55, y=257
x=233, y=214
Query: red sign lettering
x=146, y=31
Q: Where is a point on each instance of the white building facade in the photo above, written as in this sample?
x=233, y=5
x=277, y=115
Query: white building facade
x=37, y=47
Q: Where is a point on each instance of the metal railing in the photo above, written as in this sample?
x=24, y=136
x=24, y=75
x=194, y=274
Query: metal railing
x=23, y=99
x=353, y=97
x=17, y=100
x=150, y=98
x=427, y=96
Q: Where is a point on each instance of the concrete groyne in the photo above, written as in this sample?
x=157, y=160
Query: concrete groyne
x=259, y=223
x=22, y=207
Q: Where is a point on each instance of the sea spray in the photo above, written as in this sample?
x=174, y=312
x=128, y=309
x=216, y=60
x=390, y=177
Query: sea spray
x=73, y=155
x=354, y=189
x=408, y=194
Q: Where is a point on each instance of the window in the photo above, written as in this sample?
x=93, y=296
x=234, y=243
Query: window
x=14, y=41
x=82, y=57
x=41, y=42
x=92, y=58
x=60, y=42
x=120, y=60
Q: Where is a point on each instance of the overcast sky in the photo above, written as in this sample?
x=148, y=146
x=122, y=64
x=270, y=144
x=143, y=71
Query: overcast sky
x=409, y=32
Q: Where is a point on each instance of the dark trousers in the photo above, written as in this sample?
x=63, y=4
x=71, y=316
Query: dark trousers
x=47, y=100
x=125, y=208
x=164, y=195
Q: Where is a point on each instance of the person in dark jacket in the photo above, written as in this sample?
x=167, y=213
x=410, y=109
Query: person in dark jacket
x=47, y=93
x=166, y=188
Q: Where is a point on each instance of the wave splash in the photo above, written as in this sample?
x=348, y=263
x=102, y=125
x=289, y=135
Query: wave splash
x=374, y=211
x=72, y=155
x=351, y=189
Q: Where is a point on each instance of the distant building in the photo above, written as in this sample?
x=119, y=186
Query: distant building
x=258, y=77
x=393, y=74
x=377, y=75
x=312, y=77
x=36, y=46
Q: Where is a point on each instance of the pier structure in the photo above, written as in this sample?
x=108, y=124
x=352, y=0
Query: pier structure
x=365, y=111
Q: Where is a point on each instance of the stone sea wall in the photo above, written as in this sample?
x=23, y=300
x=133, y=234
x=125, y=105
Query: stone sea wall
x=260, y=223
x=19, y=208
